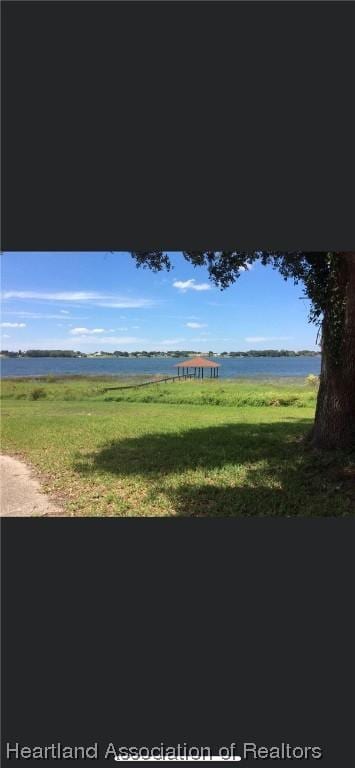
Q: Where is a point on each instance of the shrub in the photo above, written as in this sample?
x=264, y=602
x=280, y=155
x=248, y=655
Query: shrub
x=312, y=380
x=37, y=393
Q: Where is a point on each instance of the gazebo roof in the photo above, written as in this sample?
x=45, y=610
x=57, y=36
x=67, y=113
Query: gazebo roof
x=197, y=362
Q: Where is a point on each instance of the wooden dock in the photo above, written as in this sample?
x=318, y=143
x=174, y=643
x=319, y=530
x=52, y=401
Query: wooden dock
x=154, y=381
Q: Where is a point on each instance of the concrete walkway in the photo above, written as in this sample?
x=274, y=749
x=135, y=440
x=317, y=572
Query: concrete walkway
x=21, y=494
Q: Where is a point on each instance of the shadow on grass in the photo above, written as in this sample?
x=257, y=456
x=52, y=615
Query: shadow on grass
x=240, y=469
x=161, y=453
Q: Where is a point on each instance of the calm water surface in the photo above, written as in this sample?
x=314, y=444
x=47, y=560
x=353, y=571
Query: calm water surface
x=230, y=367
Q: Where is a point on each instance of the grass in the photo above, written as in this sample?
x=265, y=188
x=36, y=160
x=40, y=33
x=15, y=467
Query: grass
x=194, y=448
x=228, y=392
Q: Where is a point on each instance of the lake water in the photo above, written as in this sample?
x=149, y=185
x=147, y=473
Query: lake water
x=230, y=367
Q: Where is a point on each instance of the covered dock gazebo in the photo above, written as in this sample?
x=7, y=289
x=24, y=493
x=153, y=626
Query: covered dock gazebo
x=196, y=365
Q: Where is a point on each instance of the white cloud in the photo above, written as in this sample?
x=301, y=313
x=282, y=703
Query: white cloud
x=110, y=340
x=257, y=339
x=196, y=325
x=90, y=343
x=191, y=285
x=6, y=336
x=86, y=331
x=91, y=297
x=250, y=265
x=166, y=342
x=40, y=316
x=56, y=296
x=13, y=325
x=128, y=304
x=64, y=312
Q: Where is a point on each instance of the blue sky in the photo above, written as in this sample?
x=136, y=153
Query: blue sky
x=101, y=301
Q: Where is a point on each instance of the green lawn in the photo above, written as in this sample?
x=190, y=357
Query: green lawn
x=195, y=448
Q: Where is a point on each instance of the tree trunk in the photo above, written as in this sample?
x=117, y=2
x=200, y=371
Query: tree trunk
x=334, y=425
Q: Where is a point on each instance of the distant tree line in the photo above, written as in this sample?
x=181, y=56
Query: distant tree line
x=43, y=353
x=156, y=353
x=272, y=353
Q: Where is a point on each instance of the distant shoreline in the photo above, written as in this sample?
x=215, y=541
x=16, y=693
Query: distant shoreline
x=68, y=354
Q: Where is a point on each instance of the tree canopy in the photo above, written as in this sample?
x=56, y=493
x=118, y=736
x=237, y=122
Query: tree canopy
x=315, y=270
